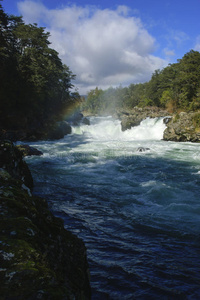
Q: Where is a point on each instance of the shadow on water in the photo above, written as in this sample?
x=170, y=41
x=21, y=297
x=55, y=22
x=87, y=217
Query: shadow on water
x=138, y=215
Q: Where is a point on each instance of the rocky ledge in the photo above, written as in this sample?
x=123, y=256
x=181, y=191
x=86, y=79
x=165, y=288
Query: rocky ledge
x=136, y=115
x=49, y=131
x=183, y=127
x=39, y=258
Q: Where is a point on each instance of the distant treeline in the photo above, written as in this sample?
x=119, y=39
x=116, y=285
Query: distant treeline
x=176, y=87
x=34, y=83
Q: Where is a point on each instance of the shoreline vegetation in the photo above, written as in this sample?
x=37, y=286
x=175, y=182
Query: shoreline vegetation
x=39, y=258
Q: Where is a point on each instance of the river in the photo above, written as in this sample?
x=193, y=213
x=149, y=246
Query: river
x=134, y=200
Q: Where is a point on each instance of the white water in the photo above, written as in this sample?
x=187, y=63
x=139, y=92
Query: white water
x=109, y=129
x=137, y=212
x=104, y=139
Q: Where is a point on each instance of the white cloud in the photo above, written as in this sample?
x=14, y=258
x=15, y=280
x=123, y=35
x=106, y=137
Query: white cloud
x=168, y=52
x=175, y=39
x=180, y=37
x=102, y=47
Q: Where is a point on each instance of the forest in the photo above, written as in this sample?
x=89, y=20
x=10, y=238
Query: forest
x=35, y=86
x=34, y=83
x=175, y=88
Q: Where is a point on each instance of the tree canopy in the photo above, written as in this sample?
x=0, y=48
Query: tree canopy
x=175, y=87
x=34, y=83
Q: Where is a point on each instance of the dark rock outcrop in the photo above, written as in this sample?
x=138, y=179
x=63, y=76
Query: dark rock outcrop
x=86, y=121
x=183, y=127
x=28, y=151
x=39, y=259
x=136, y=115
x=59, y=131
x=11, y=161
x=48, y=131
x=75, y=118
x=12, y=134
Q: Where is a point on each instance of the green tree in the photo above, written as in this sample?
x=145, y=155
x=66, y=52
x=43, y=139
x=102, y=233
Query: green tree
x=175, y=87
x=35, y=84
x=188, y=78
x=93, y=102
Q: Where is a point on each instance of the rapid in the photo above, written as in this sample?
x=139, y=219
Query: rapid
x=134, y=200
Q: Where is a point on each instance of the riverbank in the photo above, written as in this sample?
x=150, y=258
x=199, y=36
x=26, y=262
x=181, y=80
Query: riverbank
x=183, y=127
x=39, y=258
x=180, y=126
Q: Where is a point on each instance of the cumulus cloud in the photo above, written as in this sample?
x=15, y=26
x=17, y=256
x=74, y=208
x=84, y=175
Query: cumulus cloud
x=102, y=47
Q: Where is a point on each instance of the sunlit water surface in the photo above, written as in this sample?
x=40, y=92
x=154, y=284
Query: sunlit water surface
x=138, y=212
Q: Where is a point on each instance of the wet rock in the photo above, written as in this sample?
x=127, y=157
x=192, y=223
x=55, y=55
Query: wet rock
x=131, y=121
x=29, y=151
x=39, y=258
x=142, y=149
x=166, y=120
x=75, y=118
x=86, y=121
x=59, y=131
x=65, y=127
x=136, y=115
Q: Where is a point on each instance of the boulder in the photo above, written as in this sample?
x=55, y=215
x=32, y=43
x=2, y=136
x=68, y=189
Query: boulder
x=130, y=121
x=86, y=121
x=183, y=127
x=142, y=149
x=59, y=131
x=75, y=118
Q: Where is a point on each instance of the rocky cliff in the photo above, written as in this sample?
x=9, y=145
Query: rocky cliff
x=183, y=127
x=39, y=259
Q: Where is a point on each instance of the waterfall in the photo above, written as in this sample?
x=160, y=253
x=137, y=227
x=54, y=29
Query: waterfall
x=134, y=200
x=110, y=129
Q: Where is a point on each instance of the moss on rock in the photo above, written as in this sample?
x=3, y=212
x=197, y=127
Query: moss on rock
x=39, y=259
x=183, y=127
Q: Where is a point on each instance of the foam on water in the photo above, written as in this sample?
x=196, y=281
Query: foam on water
x=109, y=129
x=137, y=212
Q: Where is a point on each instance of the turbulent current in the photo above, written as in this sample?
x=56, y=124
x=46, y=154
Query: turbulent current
x=135, y=202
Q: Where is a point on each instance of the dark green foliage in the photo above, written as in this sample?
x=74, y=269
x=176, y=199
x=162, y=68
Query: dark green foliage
x=34, y=83
x=175, y=87
x=196, y=120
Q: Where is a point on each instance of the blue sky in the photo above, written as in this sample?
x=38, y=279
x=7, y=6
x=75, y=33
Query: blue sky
x=108, y=43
